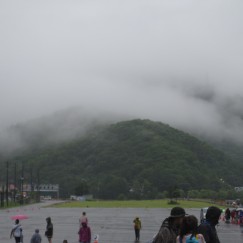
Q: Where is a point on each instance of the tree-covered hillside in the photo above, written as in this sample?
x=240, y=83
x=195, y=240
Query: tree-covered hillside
x=133, y=159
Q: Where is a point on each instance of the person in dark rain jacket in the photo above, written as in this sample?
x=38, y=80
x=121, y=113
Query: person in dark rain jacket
x=207, y=227
x=84, y=233
x=49, y=229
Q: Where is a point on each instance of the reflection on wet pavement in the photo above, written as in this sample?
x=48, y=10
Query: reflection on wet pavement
x=114, y=225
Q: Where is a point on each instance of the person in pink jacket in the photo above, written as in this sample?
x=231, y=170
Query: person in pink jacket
x=84, y=233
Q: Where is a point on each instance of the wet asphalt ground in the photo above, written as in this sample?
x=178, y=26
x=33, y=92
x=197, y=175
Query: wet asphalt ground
x=112, y=225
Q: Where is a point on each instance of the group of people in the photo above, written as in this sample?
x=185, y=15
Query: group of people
x=235, y=216
x=84, y=231
x=177, y=228
x=17, y=232
x=182, y=228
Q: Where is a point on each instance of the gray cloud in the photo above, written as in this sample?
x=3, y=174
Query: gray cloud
x=172, y=61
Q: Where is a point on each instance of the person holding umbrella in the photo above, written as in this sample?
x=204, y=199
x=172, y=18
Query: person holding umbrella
x=49, y=229
x=17, y=232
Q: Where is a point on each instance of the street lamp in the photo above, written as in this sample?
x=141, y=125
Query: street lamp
x=22, y=189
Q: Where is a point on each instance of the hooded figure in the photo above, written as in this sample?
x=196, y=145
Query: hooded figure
x=207, y=227
x=84, y=233
x=170, y=226
x=137, y=227
x=227, y=215
x=49, y=229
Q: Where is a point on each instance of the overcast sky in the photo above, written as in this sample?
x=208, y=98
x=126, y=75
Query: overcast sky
x=179, y=62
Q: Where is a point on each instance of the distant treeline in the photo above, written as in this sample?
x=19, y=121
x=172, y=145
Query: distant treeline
x=138, y=159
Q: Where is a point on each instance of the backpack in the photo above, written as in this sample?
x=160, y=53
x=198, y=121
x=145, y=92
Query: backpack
x=17, y=231
x=191, y=239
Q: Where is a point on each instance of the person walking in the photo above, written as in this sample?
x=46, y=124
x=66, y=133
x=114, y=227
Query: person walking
x=137, y=227
x=36, y=238
x=84, y=233
x=232, y=215
x=82, y=219
x=49, y=230
x=207, y=227
x=188, y=231
x=227, y=215
x=240, y=213
x=17, y=232
x=169, y=229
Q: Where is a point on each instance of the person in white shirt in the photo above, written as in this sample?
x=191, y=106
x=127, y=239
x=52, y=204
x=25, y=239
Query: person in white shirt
x=83, y=219
x=17, y=232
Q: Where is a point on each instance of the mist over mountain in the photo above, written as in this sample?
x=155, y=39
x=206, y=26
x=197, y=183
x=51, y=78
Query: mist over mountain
x=53, y=129
x=176, y=62
x=74, y=123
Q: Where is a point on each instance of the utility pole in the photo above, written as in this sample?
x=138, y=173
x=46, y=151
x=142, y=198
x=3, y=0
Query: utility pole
x=22, y=184
x=15, y=181
x=2, y=196
x=31, y=183
x=7, y=183
x=38, y=185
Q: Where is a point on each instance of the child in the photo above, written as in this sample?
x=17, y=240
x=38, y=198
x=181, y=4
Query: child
x=96, y=238
x=188, y=231
x=36, y=238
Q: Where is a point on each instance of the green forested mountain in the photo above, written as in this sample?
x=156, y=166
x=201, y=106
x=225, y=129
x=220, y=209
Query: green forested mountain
x=133, y=159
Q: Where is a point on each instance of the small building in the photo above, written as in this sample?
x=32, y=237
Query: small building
x=81, y=198
x=45, y=190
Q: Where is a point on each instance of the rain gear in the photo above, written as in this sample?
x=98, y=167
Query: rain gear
x=49, y=228
x=167, y=233
x=84, y=233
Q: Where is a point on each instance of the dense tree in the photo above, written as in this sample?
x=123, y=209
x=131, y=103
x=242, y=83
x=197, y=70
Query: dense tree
x=136, y=159
x=112, y=186
x=82, y=188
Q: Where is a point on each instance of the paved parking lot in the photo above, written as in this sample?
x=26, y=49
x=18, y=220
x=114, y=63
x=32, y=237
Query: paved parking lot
x=112, y=225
